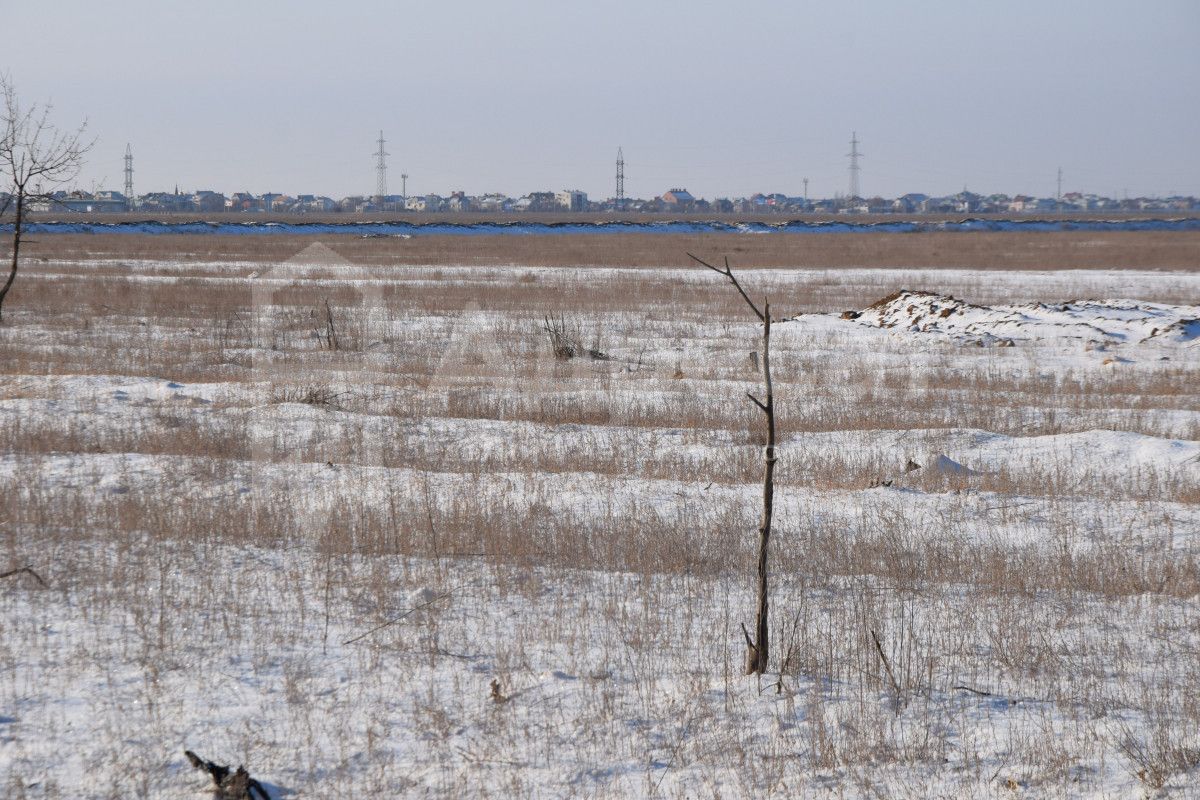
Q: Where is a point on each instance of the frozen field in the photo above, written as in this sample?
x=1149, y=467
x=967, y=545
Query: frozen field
x=358, y=529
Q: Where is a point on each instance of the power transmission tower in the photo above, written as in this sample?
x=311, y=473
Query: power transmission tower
x=806, y=191
x=854, y=167
x=620, y=180
x=381, y=170
x=1058, y=196
x=128, y=178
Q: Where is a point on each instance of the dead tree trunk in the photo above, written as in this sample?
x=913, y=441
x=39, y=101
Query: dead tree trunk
x=758, y=649
x=18, y=223
x=760, y=653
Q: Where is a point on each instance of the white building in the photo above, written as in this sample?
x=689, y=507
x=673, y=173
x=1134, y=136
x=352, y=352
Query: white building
x=572, y=200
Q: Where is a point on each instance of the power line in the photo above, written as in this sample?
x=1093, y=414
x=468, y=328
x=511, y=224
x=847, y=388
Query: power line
x=620, y=180
x=381, y=170
x=854, y=167
x=128, y=177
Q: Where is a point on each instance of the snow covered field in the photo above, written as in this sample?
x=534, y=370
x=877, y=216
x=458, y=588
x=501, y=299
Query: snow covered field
x=358, y=529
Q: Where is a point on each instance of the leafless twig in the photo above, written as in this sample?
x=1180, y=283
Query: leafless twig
x=407, y=613
x=887, y=665
x=728, y=273
x=26, y=569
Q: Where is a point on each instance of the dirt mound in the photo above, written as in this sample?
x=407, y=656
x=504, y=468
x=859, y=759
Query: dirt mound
x=1104, y=322
x=913, y=309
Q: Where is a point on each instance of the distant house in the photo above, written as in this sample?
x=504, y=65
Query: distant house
x=306, y=203
x=909, y=203
x=429, y=202
x=1020, y=204
x=458, y=201
x=166, y=202
x=967, y=202
x=678, y=199
x=85, y=203
x=571, y=200
x=205, y=200
x=493, y=202
x=389, y=202
x=1080, y=201
x=242, y=201
x=109, y=201
x=939, y=205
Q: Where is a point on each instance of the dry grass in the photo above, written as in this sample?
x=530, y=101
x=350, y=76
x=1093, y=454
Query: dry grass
x=592, y=519
x=977, y=250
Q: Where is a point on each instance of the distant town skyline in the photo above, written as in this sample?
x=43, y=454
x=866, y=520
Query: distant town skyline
x=674, y=201
x=482, y=97
x=1062, y=186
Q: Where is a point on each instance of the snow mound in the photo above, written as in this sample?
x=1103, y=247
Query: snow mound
x=1104, y=321
x=949, y=466
x=1183, y=331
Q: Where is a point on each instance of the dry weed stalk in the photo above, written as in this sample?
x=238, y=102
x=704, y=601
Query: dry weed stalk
x=328, y=335
x=566, y=340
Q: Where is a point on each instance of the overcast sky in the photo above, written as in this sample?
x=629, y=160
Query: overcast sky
x=723, y=98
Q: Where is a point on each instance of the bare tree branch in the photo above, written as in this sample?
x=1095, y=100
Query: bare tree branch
x=27, y=570
x=35, y=159
x=728, y=273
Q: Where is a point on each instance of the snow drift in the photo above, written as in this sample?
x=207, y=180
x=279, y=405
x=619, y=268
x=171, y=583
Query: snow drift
x=1109, y=322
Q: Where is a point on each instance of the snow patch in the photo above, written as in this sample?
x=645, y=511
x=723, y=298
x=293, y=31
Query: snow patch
x=1102, y=322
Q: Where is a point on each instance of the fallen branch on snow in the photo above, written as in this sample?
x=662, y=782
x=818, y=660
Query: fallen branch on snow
x=26, y=569
x=230, y=785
